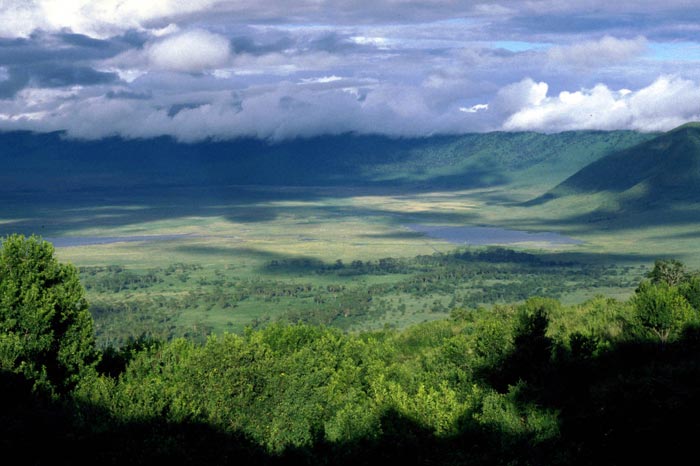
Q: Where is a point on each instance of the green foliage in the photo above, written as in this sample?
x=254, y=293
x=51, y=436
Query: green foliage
x=482, y=379
x=438, y=409
x=493, y=337
x=532, y=349
x=690, y=289
x=504, y=413
x=530, y=339
x=192, y=301
x=671, y=271
x=662, y=310
x=599, y=322
x=46, y=331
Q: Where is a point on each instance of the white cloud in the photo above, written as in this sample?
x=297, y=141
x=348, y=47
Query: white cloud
x=284, y=64
x=171, y=28
x=103, y=18
x=321, y=80
x=589, y=54
x=381, y=43
x=288, y=109
x=474, y=108
x=19, y=19
x=195, y=50
x=516, y=96
x=666, y=103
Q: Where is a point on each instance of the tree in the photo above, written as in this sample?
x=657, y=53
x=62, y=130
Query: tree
x=671, y=272
x=532, y=349
x=690, y=289
x=661, y=309
x=46, y=331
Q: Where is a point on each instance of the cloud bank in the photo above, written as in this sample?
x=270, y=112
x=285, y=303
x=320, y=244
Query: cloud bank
x=223, y=69
x=666, y=103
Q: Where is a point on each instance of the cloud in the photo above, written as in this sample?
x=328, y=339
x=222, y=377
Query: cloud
x=524, y=94
x=55, y=60
x=322, y=80
x=287, y=110
x=666, y=103
x=60, y=47
x=191, y=51
x=225, y=68
x=589, y=54
x=297, y=109
x=474, y=108
x=105, y=18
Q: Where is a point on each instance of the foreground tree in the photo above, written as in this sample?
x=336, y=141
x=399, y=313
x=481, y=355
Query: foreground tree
x=669, y=271
x=662, y=310
x=46, y=331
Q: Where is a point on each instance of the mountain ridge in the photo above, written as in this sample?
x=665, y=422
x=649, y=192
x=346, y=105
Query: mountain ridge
x=50, y=162
x=653, y=173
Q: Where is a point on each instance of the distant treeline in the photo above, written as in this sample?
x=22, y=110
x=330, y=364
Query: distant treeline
x=297, y=290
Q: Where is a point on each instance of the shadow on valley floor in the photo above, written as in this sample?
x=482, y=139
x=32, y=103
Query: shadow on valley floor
x=582, y=257
x=59, y=215
x=399, y=235
x=273, y=262
x=681, y=236
x=137, y=211
x=50, y=215
x=572, y=224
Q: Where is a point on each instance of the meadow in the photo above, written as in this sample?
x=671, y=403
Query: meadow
x=247, y=256
x=176, y=240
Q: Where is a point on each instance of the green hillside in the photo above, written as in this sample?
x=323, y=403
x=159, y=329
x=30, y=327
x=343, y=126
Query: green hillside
x=50, y=162
x=652, y=174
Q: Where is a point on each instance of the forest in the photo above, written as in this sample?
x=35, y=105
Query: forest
x=128, y=304
x=537, y=382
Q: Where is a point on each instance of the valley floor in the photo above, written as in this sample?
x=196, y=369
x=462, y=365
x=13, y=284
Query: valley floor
x=191, y=261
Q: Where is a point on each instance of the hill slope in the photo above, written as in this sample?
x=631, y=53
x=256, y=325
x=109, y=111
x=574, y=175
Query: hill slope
x=655, y=173
x=49, y=162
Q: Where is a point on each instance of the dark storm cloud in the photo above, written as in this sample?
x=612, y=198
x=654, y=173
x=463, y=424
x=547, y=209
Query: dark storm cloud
x=42, y=47
x=59, y=74
x=15, y=80
x=55, y=60
x=52, y=75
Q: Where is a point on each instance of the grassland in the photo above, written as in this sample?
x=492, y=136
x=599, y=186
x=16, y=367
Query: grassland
x=256, y=255
x=230, y=246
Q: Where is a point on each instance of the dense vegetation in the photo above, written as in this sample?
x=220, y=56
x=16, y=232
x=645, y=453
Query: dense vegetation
x=604, y=382
x=128, y=305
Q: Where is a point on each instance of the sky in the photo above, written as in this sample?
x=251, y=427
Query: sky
x=273, y=69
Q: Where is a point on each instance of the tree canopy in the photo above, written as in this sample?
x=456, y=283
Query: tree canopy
x=46, y=331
